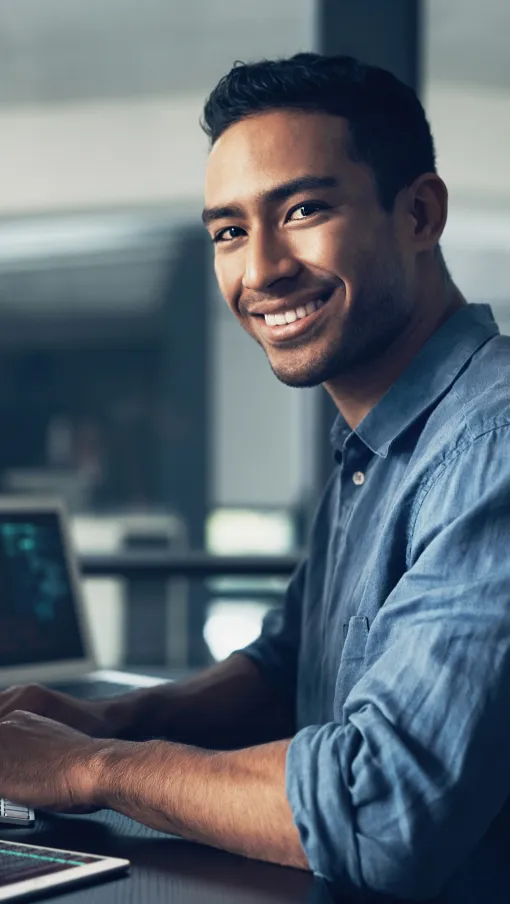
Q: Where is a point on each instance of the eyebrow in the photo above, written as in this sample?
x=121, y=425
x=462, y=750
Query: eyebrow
x=273, y=195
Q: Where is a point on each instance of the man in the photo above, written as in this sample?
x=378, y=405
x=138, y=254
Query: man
x=365, y=735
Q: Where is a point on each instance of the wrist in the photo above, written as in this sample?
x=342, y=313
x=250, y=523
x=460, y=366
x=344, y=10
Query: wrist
x=104, y=770
x=138, y=714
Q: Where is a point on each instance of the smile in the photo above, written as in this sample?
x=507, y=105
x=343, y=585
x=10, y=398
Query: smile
x=293, y=323
x=294, y=314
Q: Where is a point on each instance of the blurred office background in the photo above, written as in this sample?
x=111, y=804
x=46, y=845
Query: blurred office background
x=126, y=387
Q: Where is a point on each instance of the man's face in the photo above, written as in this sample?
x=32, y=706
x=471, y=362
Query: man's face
x=299, y=234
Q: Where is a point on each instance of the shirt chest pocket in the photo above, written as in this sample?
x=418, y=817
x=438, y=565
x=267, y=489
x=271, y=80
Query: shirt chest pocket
x=352, y=662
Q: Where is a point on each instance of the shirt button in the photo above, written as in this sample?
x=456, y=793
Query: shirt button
x=358, y=478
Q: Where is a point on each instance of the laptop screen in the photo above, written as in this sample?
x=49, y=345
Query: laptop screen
x=38, y=617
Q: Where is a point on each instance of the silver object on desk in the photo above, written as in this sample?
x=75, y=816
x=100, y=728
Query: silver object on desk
x=15, y=814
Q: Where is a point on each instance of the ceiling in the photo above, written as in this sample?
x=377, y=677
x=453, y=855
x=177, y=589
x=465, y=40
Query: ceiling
x=58, y=50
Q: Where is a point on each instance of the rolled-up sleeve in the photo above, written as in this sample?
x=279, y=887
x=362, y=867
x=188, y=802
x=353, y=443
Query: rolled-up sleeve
x=396, y=795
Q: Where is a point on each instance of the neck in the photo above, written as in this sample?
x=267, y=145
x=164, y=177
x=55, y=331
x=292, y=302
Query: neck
x=357, y=392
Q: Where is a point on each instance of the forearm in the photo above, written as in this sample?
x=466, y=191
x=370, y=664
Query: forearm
x=229, y=705
x=233, y=800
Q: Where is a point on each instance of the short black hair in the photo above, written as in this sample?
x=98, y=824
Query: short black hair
x=387, y=124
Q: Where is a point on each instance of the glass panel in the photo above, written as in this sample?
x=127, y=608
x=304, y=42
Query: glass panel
x=466, y=70
x=234, y=621
x=231, y=625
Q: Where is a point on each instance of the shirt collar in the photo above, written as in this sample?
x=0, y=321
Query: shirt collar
x=430, y=375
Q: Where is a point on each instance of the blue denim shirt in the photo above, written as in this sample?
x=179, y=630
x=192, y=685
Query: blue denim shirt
x=394, y=641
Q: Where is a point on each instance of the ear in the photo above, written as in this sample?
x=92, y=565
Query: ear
x=426, y=203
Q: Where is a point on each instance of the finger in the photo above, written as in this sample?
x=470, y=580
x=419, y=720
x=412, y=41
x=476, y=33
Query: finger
x=25, y=697
x=6, y=700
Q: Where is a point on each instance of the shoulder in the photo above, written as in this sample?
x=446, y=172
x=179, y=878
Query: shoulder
x=476, y=406
x=464, y=448
x=482, y=390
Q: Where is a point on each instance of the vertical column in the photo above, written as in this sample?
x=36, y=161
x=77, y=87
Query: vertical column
x=379, y=32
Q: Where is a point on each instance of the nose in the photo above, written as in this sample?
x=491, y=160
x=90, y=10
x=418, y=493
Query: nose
x=268, y=259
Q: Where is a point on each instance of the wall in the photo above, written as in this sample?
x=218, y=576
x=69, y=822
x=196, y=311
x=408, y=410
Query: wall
x=91, y=121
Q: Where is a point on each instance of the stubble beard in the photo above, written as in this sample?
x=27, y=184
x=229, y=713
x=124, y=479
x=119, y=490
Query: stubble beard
x=375, y=319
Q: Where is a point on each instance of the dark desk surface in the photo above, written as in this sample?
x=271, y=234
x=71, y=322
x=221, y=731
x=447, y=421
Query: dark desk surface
x=164, y=868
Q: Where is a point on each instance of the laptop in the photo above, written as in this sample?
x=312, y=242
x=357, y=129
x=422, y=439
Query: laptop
x=44, y=634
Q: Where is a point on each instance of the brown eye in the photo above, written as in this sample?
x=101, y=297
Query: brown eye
x=228, y=234
x=303, y=211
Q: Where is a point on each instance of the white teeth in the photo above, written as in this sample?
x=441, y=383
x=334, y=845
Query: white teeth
x=293, y=315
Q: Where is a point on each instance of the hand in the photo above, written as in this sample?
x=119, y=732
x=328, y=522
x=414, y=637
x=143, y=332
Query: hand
x=49, y=765
x=97, y=718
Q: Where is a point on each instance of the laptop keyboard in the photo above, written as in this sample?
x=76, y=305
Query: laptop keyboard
x=22, y=862
x=92, y=690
